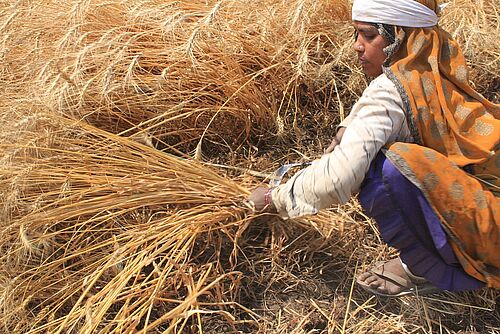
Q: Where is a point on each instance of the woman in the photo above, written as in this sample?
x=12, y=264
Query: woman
x=420, y=146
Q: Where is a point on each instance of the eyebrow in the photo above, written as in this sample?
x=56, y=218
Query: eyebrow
x=367, y=29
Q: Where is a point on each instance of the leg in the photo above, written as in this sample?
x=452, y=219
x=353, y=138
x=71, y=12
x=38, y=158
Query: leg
x=406, y=221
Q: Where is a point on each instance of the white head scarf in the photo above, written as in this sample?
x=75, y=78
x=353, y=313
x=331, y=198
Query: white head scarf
x=403, y=13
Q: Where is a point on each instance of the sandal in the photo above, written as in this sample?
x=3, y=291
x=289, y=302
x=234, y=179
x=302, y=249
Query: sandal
x=415, y=286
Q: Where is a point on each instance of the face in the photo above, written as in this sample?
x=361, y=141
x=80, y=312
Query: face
x=369, y=45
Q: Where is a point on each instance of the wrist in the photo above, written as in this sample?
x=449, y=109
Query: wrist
x=268, y=198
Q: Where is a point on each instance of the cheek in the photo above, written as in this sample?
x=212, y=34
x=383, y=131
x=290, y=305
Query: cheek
x=382, y=56
x=381, y=48
x=375, y=55
x=379, y=54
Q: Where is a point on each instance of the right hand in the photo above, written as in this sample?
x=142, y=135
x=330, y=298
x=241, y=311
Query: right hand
x=259, y=200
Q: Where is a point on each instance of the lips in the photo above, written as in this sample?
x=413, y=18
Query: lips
x=363, y=61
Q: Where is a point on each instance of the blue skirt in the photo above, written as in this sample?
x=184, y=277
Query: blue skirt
x=407, y=222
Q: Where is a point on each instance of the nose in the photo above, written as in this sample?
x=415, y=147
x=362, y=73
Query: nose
x=358, y=47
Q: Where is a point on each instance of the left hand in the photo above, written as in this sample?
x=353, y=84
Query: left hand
x=262, y=200
x=336, y=140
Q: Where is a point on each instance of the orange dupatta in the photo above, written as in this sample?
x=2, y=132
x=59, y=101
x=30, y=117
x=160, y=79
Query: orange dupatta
x=454, y=161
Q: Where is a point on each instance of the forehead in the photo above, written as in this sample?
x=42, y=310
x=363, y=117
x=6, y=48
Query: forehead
x=364, y=26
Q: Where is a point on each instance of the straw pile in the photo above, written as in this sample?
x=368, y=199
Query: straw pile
x=105, y=232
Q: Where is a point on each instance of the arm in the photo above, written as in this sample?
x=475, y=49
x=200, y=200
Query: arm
x=379, y=118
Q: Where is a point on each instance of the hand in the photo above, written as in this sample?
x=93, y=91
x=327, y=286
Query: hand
x=335, y=140
x=332, y=146
x=261, y=199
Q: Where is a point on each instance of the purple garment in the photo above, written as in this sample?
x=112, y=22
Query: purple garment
x=407, y=222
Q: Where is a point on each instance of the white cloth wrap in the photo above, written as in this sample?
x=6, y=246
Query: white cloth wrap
x=403, y=13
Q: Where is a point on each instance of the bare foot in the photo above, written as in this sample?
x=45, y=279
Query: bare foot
x=386, y=286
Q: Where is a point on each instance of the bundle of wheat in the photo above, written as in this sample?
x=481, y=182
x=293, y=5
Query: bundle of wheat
x=104, y=233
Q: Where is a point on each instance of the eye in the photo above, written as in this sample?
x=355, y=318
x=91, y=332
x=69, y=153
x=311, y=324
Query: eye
x=370, y=37
x=355, y=35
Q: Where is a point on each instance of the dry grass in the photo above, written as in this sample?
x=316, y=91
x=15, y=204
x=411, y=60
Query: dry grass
x=104, y=233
